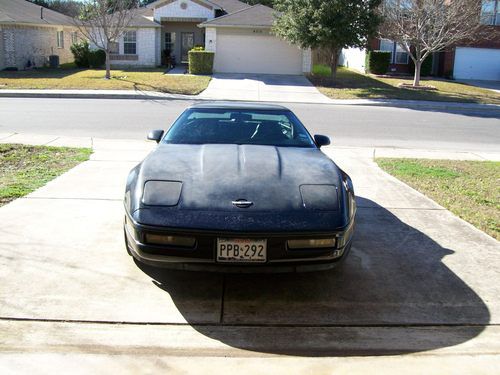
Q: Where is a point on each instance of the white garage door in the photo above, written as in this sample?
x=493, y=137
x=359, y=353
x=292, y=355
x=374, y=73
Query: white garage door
x=477, y=63
x=241, y=52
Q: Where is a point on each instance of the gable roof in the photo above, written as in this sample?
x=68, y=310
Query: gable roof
x=256, y=16
x=230, y=6
x=143, y=17
x=21, y=11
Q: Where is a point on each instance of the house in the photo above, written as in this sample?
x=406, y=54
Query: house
x=239, y=34
x=478, y=60
x=29, y=34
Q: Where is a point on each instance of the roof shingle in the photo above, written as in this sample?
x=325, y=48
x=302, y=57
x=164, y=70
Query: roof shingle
x=256, y=16
x=21, y=11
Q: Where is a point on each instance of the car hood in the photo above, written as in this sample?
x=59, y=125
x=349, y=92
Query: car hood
x=211, y=177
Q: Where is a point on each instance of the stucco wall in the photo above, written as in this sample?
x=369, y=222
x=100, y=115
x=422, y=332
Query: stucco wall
x=184, y=9
x=36, y=44
x=147, y=54
x=306, y=60
x=211, y=39
x=353, y=58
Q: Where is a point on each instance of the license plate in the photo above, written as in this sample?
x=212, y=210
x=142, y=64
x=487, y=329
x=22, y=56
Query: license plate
x=241, y=250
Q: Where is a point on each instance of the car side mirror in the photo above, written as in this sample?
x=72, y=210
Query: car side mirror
x=155, y=135
x=321, y=140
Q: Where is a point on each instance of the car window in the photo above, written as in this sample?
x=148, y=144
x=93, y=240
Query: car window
x=238, y=126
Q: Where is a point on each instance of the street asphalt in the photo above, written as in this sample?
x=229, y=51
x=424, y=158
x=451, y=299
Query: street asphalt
x=357, y=126
x=418, y=294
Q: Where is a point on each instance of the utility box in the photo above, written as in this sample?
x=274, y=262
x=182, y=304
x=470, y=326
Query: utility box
x=54, y=61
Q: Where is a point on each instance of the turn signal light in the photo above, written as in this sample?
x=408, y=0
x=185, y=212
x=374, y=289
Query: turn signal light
x=160, y=239
x=311, y=244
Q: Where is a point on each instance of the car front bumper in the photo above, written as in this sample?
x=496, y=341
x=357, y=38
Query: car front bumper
x=203, y=256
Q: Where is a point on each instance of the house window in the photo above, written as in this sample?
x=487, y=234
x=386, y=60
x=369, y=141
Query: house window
x=490, y=12
x=170, y=42
x=130, y=43
x=401, y=56
x=60, y=39
x=114, y=48
x=398, y=54
x=74, y=37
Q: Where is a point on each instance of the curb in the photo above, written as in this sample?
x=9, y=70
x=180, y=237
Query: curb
x=412, y=104
x=83, y=95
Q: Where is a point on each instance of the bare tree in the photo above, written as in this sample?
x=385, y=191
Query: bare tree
x=422, y=27
x=103, y=21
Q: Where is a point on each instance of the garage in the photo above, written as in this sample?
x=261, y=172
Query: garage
x=243, y=43
x=477, y=63
x=248, y=52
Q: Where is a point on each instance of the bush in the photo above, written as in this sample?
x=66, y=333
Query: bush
x=87, y=58
x=425, y=68
x=201, y=61
x=377, y=62
x=97, y=58
x=81, y=53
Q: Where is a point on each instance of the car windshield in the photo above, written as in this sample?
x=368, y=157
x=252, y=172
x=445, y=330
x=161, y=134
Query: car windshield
x=239, y=126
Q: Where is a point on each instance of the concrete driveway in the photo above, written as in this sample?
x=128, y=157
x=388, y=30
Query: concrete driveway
x=418, y=293
x=263, y=87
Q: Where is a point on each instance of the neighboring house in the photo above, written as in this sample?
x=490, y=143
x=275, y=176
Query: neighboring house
x=140, y=45
x=479, y=60
x=238, y=33
x=29, y=34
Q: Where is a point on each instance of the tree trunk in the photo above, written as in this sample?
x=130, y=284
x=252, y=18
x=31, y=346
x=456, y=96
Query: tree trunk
x=334, y=60
x=416, y=78
x=108, y=65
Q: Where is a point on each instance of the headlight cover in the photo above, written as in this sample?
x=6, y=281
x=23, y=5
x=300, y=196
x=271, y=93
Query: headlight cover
x=161, y=193
x=319, y=197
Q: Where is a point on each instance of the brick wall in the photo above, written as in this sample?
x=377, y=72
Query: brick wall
x=21, y=44
x=2, y=53
x=147, y=49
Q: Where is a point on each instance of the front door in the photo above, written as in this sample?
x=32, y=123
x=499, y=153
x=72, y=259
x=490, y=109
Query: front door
x=187, y=43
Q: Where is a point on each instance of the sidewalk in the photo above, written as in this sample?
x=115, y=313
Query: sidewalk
x=111, y=144
x=418, y=293
x=152, y=95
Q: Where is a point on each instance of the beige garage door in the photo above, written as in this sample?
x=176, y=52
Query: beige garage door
x=255, y=52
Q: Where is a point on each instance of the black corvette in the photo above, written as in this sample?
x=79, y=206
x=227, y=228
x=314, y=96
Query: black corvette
x=239, y=187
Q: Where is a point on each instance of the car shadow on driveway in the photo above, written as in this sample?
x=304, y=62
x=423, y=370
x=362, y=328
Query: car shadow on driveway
x=393, y=295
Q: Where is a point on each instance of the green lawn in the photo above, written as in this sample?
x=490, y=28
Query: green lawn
x=26, y=168
x=126, y=79
x=469, y=189
x=354, y=85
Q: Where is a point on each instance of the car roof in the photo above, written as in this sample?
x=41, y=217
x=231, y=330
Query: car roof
x=240, y=105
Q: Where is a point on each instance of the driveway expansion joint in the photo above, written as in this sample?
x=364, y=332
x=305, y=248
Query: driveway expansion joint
x=251, y=325
x=72, y=199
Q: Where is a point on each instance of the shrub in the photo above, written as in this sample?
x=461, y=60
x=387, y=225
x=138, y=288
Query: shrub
x=201, y=61
x=425, y=68
x=377, y=62
x=97, y=58
x=81, y=52
x=321, y=70
x=87, y=58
